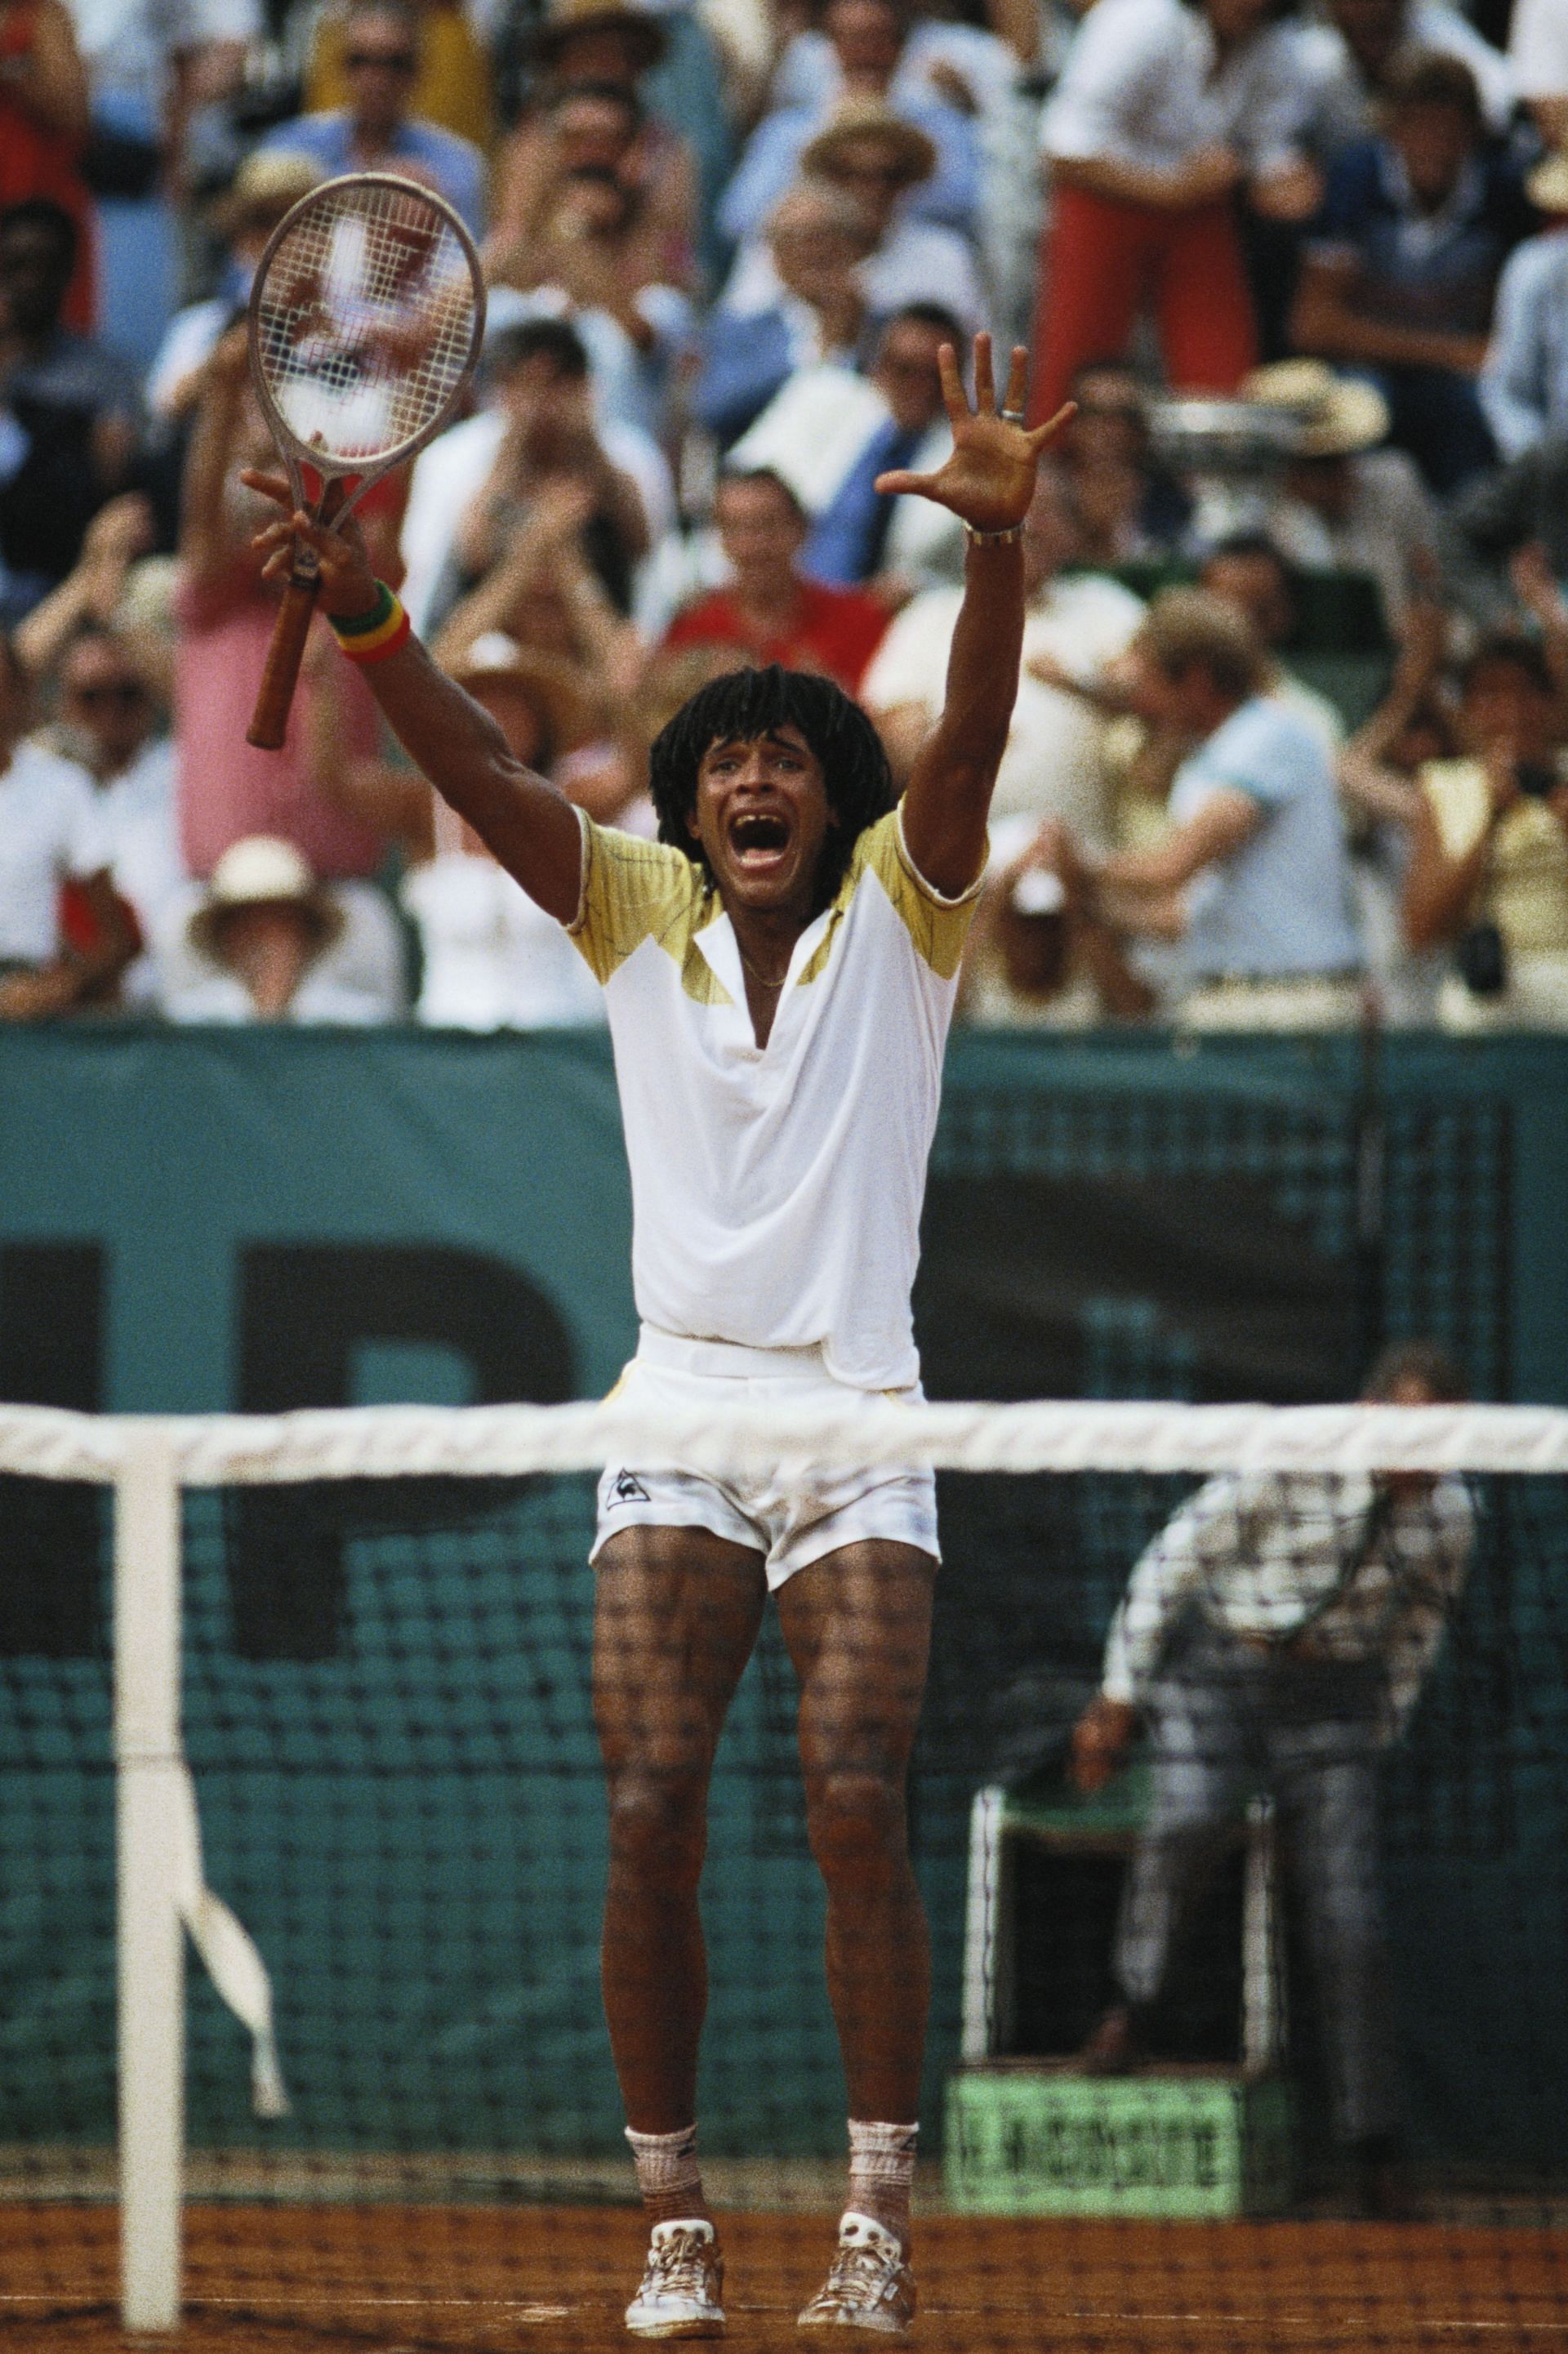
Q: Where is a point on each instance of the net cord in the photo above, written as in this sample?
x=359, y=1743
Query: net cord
x=510, y=1441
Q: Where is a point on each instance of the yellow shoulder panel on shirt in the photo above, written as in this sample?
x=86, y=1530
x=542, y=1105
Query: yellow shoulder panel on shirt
x=938, y=926
x=635, y=891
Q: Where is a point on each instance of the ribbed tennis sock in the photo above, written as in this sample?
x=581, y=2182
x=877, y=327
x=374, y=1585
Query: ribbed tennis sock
x=668, y=2175
x=882, y=2173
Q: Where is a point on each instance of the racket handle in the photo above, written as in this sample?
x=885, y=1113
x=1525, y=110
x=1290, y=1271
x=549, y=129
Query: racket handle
x=270, y=721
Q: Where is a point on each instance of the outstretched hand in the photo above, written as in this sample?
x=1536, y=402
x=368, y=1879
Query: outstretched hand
x=989, y=481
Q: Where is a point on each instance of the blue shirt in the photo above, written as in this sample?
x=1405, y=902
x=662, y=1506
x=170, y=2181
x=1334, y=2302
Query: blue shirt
x=1434, y=271
x=1280, y=903
x=1524, y=383
x=455, y=165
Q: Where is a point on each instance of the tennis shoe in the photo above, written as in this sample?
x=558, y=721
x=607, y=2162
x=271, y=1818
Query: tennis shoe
x=870, y=2286
x=682, y=2285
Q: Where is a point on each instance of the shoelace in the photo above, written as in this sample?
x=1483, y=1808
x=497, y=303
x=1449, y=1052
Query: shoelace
x=859, y=2269
x=679, y=2263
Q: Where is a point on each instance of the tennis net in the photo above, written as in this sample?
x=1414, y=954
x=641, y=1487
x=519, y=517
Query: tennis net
x=313, y=1693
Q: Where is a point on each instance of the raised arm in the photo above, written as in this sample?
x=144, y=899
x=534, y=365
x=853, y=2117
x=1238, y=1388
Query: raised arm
x=988, y=482
x=532, y=830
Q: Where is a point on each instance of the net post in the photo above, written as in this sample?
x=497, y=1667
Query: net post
x=150, y=1939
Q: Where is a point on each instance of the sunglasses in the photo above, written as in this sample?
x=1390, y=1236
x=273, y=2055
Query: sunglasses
x=389, y=60
x=122, y=694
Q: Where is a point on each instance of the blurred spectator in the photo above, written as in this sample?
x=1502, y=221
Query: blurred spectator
x=109, y=722
x=376, y=131
x=810, y=307
x=1037, y=957
x=1524, y=379
x=829, y=434
x=267, y=185
x=1248, y=571
x=1379, y=786
x=1489, y=846
x=43, y=130
x=597, y=126
x=228, y=791
x=1251, y=875
x=1404, y=262
x=68, y=410
x=1522, y=506
x=1356, y=58
x=1076, y=624
x=161, y=73
x=49, y=836
x=453, y=84
x=867, y=38
x=258, y=947
x=1130, y=508
x=1277, y=1634
x=590, y=269
x=768, y=612
x=542, y=433
x=1538, y=56
x=873, y=154
x=599, y=45
x=489, y=958
x=1344, y=503
x=1164, y=116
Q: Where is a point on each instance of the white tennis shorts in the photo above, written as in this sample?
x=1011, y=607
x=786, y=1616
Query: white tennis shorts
x=790, y=1526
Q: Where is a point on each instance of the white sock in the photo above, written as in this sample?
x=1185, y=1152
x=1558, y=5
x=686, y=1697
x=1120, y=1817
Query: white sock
x=881, y=2168
x=668, y=2174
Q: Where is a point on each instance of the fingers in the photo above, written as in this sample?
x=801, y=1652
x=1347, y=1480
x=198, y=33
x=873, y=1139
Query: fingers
x=1043, y=433
x=270, y=486
x=953, y=399
x=898, y=484
x=985, y=381
x=1017, y=381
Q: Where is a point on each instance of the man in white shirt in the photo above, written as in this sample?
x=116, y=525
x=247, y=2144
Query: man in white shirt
x=50, y=835
x=1278, y=1631
x=780, y=972
x=1538, y=55
x=1074, y=624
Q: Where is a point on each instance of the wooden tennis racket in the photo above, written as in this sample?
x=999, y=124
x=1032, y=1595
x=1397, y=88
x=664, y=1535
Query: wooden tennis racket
x=367, y=318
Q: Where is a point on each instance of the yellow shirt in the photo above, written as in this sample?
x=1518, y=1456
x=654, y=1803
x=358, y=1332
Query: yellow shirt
x=1524, y=888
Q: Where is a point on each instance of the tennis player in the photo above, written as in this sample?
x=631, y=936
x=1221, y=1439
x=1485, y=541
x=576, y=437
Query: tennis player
x=779, y=970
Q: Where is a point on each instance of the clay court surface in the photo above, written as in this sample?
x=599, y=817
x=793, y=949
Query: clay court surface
x=397, y=2280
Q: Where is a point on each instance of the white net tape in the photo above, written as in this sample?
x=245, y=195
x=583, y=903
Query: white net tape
x=507, y=1441
x=365, y=320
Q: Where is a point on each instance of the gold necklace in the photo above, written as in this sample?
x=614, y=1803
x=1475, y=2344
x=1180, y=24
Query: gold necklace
x=759, y=978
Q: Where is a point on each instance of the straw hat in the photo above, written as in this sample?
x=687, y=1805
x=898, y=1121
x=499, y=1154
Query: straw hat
x=1335, y=416
x=566, y=17
x=1547, y=186
x=550, y=685
x=869, y=118
x=264, y=188
x=263, y=871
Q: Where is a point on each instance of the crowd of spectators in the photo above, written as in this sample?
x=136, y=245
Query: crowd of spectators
x=1291, y=743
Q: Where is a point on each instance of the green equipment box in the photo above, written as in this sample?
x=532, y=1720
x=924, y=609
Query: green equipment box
x=1031, y=2138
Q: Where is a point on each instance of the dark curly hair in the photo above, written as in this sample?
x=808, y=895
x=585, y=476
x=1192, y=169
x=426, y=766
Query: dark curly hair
x=746, y=703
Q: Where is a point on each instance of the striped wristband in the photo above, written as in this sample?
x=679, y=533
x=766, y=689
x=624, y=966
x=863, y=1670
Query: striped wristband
x=372, y=637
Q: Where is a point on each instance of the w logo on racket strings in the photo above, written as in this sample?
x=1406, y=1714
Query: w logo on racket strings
x=627, y=1490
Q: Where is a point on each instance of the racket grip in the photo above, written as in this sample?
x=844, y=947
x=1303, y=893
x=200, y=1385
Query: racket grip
x=269, y=720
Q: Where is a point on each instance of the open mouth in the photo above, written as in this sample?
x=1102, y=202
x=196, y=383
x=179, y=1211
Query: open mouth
x=759, y=837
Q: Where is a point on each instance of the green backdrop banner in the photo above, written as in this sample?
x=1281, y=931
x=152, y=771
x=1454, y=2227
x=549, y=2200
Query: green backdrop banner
x=204, y=1220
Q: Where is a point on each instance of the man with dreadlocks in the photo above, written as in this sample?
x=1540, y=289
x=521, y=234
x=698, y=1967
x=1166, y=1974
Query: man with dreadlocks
x=779, y=972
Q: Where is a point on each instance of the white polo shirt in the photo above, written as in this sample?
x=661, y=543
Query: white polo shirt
x=777, y=1190
x=50, y=828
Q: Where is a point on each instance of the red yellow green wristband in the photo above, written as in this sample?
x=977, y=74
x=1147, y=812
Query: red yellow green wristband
x=371, y=637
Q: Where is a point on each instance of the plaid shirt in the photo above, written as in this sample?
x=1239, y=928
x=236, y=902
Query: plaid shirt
x=1285, y=1557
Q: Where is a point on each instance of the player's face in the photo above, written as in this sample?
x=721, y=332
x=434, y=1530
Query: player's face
x=762, y=817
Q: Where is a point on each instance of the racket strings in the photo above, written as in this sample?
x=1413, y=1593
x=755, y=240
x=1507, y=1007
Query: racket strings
x=366, y=320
